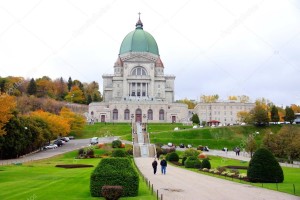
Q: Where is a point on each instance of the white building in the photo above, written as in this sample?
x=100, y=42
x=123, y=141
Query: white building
x=138, y=90
x=222, y=112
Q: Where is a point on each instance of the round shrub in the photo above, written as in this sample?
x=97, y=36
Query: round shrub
x=90, y=153
x=191, y=152
x=183, y=160
x=81, y=152
x=173, y=157
x=263, y=167
x=206, y=163
x=192, y=162
x=116, y=144
x=130, y=151
x=118, y=153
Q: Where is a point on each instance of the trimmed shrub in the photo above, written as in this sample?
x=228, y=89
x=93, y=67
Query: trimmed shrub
x=263, y=167
x=191, y=152
x=114, y=171
x=183, y=160
x=118, y=153
x=81, y=152
x=130, y=151
x=112, y=192
x=206, y=164
x=90, y=153
x=192, y=162
x=173, y=157
x=116, y=144
x=70, y=166
x=202, y=156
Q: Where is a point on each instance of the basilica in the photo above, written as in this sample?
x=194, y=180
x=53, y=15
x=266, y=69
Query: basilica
x=138, y=90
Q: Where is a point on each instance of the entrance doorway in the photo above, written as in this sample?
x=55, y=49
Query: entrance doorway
x=138, y=115
x=173, y=119
x=102, y=118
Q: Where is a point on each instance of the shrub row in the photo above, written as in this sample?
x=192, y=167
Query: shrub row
x=114, y=172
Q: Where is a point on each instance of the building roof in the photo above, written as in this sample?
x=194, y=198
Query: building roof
x=139, y=41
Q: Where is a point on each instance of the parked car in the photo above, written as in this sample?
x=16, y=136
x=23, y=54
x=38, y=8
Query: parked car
x=205, y=148
x=189, y=146
x=181, y=145
x=51, y=146
x=170, y=144
x=94, y=140
x=66, y=139
x=71, y=137
x=58, y=142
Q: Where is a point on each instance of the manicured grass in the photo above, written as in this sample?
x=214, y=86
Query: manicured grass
x=42, y=180
x=291, y=175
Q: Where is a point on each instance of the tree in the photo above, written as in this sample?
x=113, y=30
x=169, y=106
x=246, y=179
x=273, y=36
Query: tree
x=264, y=168
x=32, y=87
x=195, y=119
x=287, y=143
x=70, y=84
x=191, y=104
x=295, y=108
x=209, y=98
x=76, y=121
x=274, y=114
x=289, y=115
x=244, y=116
x=259, y=115
x=89, y=99
x=75, y=95
x=7, y=105
x=251, y=145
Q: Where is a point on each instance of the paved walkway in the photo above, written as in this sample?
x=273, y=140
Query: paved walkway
x=181, y=184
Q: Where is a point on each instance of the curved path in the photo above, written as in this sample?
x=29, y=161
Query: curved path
x=69, y=146
x=181, y=184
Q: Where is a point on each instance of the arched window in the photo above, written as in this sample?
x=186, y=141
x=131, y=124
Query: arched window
x=150, y=114
x=126, y=114
x=138, y=71
x=161, y=114
x=115, y=114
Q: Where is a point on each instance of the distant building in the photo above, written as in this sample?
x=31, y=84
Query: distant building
x=221, y=112
x=138, y=90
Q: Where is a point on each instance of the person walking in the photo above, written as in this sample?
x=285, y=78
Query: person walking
x=163, y=164
x=154, y=165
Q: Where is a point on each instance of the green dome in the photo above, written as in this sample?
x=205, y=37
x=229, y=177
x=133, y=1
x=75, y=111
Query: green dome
x=139, y=41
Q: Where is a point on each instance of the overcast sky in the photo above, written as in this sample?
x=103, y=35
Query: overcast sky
x=225, y=47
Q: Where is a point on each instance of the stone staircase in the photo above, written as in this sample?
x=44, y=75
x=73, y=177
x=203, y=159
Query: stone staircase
x=141, y=141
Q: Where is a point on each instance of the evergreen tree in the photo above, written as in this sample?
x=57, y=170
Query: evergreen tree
x=89, y=99
x=289, y=115
x=274, y=114
x=32, y=87
x=96, y=98
x=70, y=84
x=195, y=119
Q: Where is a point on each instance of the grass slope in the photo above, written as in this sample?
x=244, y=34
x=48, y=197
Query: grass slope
x=42, y=180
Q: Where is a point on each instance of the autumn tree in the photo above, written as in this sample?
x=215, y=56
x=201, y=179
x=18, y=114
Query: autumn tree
x=244, y=116
x=251, y=145
x=7, y=105
x=76, y=121
x=289, y=115
x=274, y=114
x=58, y=125
x=259, y=115
x=75, y=95
x=32, y=87
x=295, y=108
x=191, y=104
x=209, y=98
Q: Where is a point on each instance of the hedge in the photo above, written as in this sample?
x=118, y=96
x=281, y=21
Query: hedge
x=114, y=171
x=192, y=162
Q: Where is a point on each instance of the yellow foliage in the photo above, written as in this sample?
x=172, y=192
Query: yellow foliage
x=76, y=121
x=7, y=105
x=58, y=125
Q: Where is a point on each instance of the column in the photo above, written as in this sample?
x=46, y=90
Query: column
x=135, y=88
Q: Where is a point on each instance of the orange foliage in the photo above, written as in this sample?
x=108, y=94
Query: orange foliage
x=58, y=125
x=7, y=104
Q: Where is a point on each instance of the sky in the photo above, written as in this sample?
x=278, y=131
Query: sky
x=224, y=47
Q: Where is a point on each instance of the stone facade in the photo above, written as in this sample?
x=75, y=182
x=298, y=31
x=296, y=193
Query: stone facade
x=224, y=112
x=138, y=90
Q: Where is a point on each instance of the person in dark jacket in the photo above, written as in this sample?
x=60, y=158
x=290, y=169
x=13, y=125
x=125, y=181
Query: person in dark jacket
x=163, y=164
x=154, y=165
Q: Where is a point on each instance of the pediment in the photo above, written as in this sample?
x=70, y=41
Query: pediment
x=139, y=58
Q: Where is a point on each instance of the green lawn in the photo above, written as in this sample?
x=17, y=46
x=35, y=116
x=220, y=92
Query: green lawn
x=42, y=180
x=291, y=175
